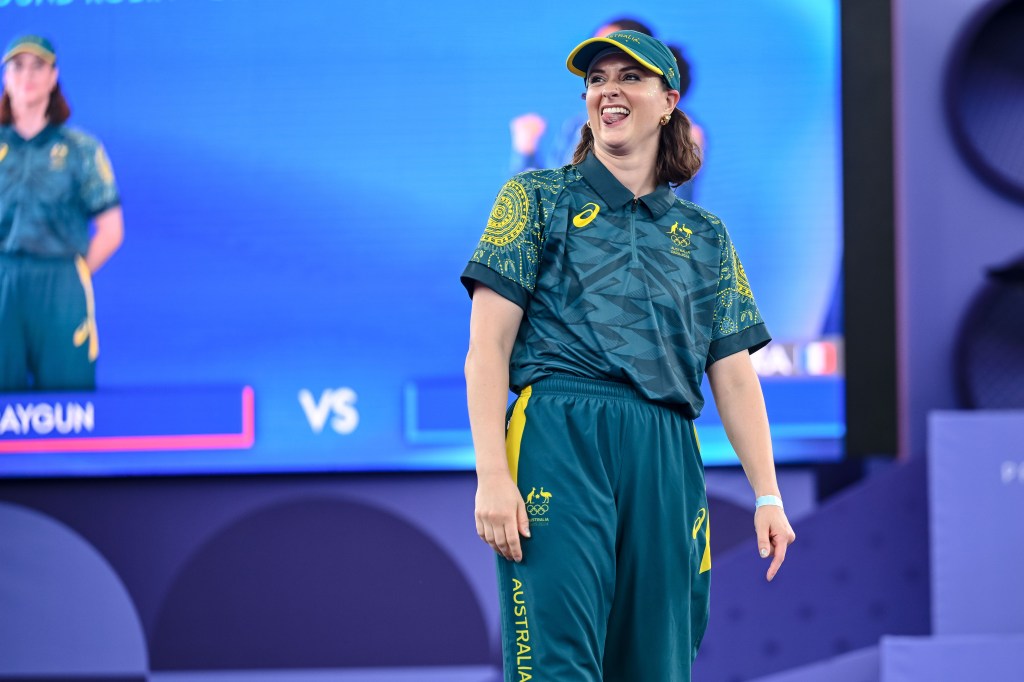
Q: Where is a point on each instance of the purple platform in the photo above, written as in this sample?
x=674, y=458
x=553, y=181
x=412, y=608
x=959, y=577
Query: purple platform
x=976, y=493
x=992, y=658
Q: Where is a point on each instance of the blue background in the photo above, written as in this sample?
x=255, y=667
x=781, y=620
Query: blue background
x=304, y=181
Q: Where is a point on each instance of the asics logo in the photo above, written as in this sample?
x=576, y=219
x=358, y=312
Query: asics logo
x=701, y=516
x=589, y=212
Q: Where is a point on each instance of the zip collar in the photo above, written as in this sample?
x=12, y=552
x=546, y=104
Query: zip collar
x=40, y=139
x=616, y=195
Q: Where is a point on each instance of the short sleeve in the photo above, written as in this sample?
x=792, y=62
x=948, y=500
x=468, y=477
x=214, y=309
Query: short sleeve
x=508, y=254
x=737, y=321
x=98, y=190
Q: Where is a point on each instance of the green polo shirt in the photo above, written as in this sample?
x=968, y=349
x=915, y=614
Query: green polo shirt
x=648, y=292
x=50, y=188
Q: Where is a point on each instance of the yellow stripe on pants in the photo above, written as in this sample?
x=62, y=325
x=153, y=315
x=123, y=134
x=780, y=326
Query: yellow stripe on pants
x=514, y=436
x=705, y=561
x=87, y=330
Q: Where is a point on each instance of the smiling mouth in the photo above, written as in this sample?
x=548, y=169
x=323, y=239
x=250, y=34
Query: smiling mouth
x=612, y=115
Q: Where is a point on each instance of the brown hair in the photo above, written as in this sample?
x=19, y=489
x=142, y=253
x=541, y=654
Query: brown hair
x=57, y=111
x=678, y=155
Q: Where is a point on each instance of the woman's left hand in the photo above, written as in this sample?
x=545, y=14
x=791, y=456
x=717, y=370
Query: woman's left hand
x=774, y=535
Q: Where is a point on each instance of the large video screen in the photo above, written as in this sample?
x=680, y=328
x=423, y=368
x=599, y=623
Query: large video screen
x=304, y=181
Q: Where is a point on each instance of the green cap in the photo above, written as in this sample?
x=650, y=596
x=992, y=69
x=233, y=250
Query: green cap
x=40, y=47
x=650, y=52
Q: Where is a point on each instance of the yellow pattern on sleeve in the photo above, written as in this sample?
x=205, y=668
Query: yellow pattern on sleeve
x=509, y=216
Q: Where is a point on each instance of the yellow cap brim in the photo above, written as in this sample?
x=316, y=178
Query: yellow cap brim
x=28, y=48
x=591, y=46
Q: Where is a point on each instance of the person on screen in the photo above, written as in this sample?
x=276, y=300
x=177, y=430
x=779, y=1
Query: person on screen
x=601, y=299
x=54, y=182
x=528, y=142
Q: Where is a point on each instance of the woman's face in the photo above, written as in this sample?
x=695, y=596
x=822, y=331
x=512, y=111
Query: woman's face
x=625, y=103
x=29, y=80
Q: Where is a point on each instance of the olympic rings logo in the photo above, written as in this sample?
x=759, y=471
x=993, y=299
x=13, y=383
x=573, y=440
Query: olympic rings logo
x=534, y=509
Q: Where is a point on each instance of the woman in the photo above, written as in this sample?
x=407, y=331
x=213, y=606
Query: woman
x=601, y=300
x=54, y=181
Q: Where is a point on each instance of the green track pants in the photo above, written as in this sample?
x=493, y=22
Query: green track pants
x=47, y=327
x=614, y=580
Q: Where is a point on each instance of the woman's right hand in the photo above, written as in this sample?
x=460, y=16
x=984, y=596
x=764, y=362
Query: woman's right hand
x=500, y=510
x=501, y=514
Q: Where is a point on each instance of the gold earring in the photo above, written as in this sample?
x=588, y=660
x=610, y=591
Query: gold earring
x=665, y=119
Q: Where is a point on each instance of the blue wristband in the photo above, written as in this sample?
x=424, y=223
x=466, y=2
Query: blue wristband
x=773, y=500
